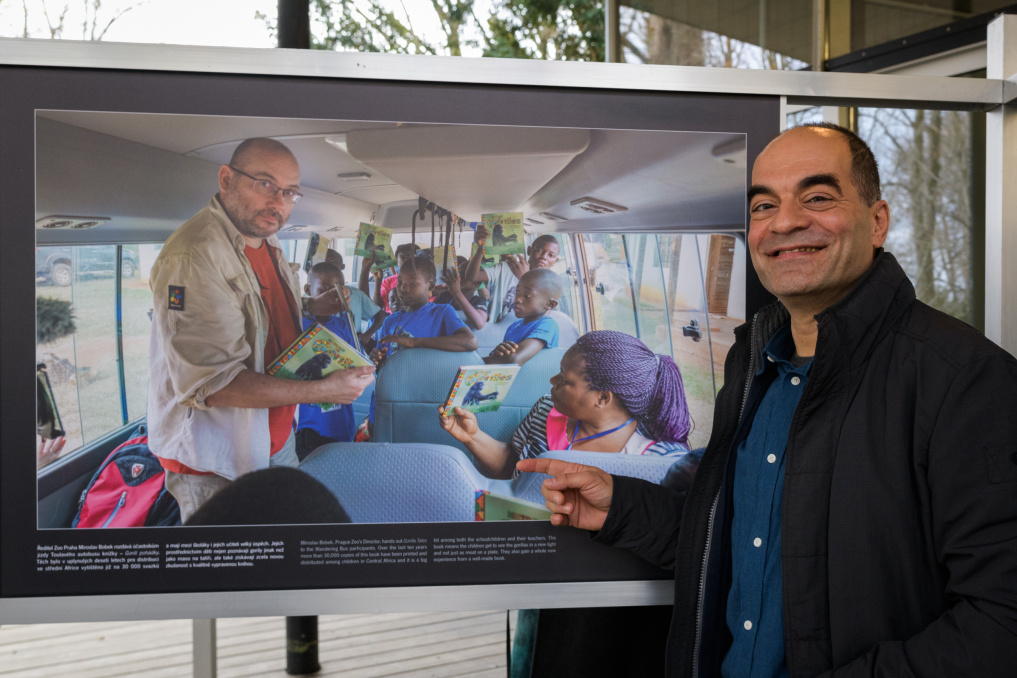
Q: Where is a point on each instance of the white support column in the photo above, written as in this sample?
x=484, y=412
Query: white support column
x=818, y=34
x=1001, y=191
x=612, y=31
x=203, y=634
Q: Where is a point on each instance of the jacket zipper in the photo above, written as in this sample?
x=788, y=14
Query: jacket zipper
x=716, y=500
x=702, y=587
x=116, y=509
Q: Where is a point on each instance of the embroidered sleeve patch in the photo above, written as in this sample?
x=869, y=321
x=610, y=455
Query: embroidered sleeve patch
x=176, y=298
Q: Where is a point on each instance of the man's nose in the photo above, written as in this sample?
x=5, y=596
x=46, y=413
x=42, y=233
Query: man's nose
x=790, y=217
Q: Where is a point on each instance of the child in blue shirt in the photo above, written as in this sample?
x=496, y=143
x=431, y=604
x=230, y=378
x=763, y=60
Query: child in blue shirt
x=421, y=323
x=315, y=427
x=537, y=293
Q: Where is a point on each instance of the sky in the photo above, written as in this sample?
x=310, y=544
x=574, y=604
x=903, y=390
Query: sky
x=230, y=23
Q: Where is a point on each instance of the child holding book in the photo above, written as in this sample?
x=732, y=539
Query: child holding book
x=314, y=426
x=462, y=294
x=537, y=293
x=421, y=323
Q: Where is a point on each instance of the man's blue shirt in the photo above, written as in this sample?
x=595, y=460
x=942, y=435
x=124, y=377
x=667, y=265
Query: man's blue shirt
x=755, y=613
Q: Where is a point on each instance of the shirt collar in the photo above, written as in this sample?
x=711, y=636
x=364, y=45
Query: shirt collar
x=779, y=351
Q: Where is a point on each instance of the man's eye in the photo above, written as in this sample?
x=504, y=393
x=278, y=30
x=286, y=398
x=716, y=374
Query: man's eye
x=761, y=207
x=265, y=185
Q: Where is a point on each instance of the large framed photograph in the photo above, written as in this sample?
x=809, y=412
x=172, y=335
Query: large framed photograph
x=642, y=194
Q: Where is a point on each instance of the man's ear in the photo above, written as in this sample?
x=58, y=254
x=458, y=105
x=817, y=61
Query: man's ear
x=879, y=214
x=225, y=177
x=551, y=304
x=307, y=289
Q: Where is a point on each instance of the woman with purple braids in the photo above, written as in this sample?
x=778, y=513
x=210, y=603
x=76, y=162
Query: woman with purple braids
x=612, y=394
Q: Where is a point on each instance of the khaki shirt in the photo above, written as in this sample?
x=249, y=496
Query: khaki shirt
x=215, y=327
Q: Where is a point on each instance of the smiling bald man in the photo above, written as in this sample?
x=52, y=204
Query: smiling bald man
x=855, y=512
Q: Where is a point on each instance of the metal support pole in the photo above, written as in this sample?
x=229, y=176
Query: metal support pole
x=302, y=646
x=203, y=634
x=818, y=34
x=612, y=32
x=294, y=21
x=1000, y=196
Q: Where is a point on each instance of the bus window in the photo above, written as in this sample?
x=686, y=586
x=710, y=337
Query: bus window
x=610, y=286
x=566, y=268
x=82, y=365
x=137, y=328
x=681, y=294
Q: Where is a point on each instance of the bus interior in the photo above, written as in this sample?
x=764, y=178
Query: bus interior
x=650, y=226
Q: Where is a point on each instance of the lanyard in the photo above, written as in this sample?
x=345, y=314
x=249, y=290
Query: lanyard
x=596, y=435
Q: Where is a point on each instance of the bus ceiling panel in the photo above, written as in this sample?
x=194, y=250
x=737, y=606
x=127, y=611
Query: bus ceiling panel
x=146, y=191
x=469, y=169
x=81, y=172
x=850, y=89
x=722, y=213
x=647, y=173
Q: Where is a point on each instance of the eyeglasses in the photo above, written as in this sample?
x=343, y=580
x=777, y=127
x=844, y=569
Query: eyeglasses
x=266, y=187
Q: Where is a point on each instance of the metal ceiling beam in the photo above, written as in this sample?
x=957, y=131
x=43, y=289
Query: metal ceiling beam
x=800, y=87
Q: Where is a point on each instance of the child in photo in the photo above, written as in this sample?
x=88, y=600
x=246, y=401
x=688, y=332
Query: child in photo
x=382, y=287
x=537, y=293
x=361, y=305
x=315, y=427
x=421, y=323
x=462, y=294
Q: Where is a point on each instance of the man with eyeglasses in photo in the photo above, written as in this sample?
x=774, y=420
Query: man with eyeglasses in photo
x=225, y=305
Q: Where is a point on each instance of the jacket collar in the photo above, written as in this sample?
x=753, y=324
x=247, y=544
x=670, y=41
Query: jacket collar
x=869, y=311
x=854, y=325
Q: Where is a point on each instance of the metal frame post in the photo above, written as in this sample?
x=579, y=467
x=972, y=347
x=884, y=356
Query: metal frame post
x=203, y=631
x=1000, y=196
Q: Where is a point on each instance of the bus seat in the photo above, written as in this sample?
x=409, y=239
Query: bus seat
x=567, y=330
x=400, y=483
x=492, y=333
x=534, y=380
x=362, y=405
x=652, y=468
x=411, y=385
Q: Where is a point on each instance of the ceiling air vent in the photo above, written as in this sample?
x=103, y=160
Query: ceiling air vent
x=552, y=217
x=63, y=221
x=292, y=229
x=355, y=176
x=533, y=222
x=594, y=206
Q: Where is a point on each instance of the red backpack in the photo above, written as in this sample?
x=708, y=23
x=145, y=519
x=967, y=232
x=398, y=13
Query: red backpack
x=128, y=490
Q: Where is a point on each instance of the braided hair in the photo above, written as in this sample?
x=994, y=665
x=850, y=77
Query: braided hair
x=620, y=363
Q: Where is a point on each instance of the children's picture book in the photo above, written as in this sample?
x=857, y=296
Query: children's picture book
x=479, y=388
x=490, y=506
x=315, y=354
x=487, y=261
x=506, y=235
x=441, y=262
x=376, y=241
x=317, y=248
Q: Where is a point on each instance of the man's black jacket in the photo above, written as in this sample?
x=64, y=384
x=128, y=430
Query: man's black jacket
x=899, y=546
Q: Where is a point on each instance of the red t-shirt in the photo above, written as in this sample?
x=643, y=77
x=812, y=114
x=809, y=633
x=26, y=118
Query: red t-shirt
x=282, y=331
x=387, y=285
